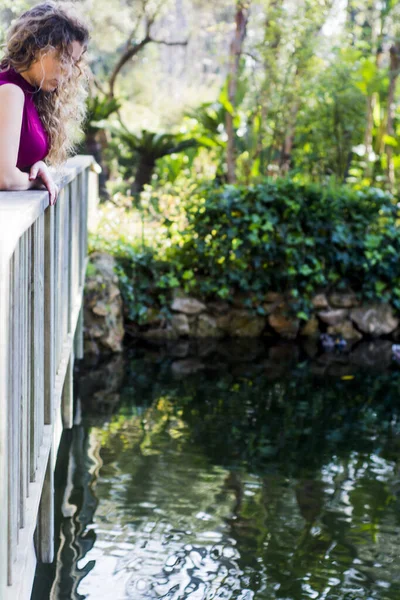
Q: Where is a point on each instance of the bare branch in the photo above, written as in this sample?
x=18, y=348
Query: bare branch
x=133, y=33
x=158, y=8
x=97, y=84
x=150, y=18
x=131, y=48
x=253, y=56
x=149, y=22
x=129, y=53
x=166, y=43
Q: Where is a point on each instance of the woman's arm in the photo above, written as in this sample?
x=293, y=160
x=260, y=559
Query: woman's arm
x=11, y=108
x=11, y=178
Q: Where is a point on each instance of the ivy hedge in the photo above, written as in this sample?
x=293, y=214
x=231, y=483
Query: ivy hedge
x=275, y=236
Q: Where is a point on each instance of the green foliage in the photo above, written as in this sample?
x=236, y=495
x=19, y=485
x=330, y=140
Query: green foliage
x=99, y=109
x=151, y=144
x=138, y=153
x=208, y=120
x=291, y=238
x=308, y=79
x=9, y=10
x=146, y=278
x=275, y=236
x=311, y=103
x=334, y=109
x=170, y=167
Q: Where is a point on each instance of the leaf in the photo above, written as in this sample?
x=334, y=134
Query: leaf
x=302, y=315
x=390, y=141
x=223, y=98
x=188, y=274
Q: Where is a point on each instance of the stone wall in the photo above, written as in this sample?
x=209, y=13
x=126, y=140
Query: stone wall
x=335, y=315
x=103, y=309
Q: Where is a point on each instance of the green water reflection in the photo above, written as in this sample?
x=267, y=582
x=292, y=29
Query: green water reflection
x=231, y=484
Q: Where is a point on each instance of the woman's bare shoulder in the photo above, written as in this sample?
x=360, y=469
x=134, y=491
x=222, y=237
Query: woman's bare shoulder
x=11, y=91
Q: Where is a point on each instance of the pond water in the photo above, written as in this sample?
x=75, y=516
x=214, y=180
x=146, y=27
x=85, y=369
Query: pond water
x=229, y=479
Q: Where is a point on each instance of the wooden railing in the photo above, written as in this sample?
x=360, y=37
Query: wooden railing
x=43, y=253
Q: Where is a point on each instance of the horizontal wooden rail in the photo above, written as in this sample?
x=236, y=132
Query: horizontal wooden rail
x=43, y=256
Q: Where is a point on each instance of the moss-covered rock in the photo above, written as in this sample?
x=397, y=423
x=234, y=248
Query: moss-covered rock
x=103, y=310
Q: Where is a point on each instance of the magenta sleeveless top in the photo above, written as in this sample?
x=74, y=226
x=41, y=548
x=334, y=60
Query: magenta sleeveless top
x=33, y=143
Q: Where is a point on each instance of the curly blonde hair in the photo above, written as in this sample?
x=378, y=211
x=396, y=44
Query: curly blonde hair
x=44, y=27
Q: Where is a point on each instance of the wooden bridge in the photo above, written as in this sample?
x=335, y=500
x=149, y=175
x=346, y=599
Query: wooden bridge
x=43, y=256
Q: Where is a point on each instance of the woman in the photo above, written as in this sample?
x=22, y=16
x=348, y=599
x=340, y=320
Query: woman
x=42, y=99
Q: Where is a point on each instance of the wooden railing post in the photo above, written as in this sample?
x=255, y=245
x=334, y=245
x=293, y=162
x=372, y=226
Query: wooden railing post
x=37, y=344
x=13, y=415
x=78, y=345
x=67, y=395
x=49, y=337
x=4, y=335
x=45, y=526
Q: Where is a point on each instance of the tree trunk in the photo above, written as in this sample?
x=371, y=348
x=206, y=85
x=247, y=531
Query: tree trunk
x=95, y=144
x=286, y=154
x=337, y=132
x=144, y=174
x=371, y=103
x=391, y=107
x=242, y=15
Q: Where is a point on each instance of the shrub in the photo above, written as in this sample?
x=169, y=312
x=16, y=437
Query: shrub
x=275, y=236
x=291, y=238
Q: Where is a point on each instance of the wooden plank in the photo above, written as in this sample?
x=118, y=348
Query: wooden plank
x=93, y=199
x=78, y=345
x=66, y=266
x=73, y=246
x=81, y=184
x=77, y=217
x=22, y=588
x=49, y=363
x=11, y=413
x=67, y=401
x=23, y=399
x=35, y=350
x=37, y=346
x=4, y=430
x=57, y=281
x=18, y=380
x=23, y=571
x=41, y=333
x=45, y=523
x=28, y=338
x=85, y=207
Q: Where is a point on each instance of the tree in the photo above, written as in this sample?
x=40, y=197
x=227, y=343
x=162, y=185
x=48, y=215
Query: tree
x=140, y=152
x=391, y=108
x=99, y=109
x=142, y=17
x=236, y=48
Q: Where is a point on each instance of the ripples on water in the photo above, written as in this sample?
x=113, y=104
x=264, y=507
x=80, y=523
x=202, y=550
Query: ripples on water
x=225, y=485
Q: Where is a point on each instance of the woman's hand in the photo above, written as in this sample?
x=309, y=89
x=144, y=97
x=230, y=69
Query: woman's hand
x=40, y=170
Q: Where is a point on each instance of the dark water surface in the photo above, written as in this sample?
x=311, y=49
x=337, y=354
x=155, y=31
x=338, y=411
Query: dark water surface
x=261, y=477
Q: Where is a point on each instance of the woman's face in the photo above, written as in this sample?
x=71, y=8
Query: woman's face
x=49, y=70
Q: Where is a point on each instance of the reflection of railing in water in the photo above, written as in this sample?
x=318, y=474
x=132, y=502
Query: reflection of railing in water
x=42, y=270
x=75, y=505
